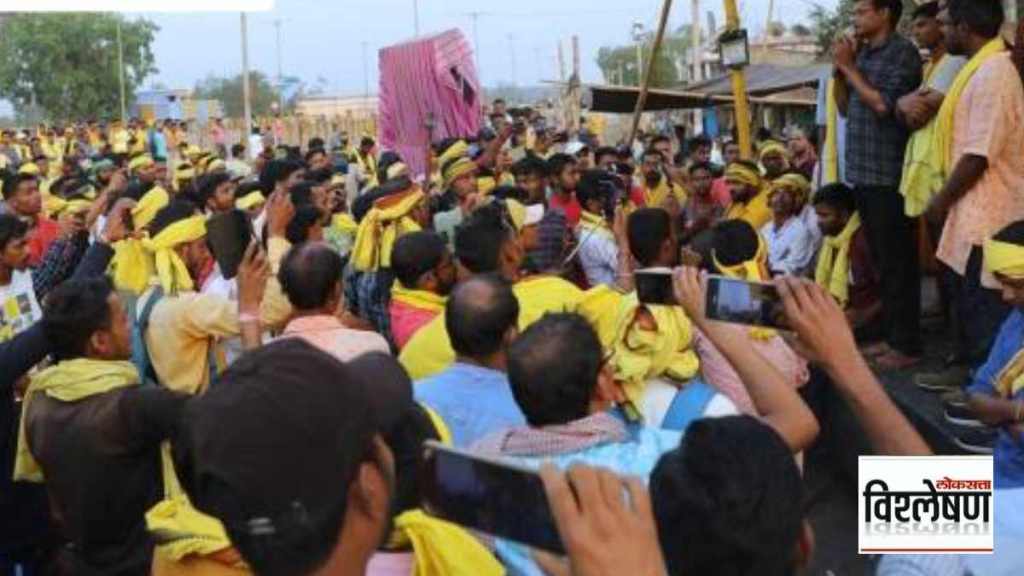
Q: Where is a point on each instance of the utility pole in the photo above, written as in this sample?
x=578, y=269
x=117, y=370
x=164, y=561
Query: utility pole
x=645, y=84
x=120, y=72
x=280, y=76
x=366, y=71
x=246, y=90
x=475, y=16
x=638, y=37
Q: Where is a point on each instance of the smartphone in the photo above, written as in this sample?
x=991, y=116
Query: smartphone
x=496, y=498
x=229, y=235
x=654, y=286
x=742, y=302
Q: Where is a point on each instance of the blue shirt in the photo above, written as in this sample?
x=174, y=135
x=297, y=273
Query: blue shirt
x=473, y=401
x=1009, y=454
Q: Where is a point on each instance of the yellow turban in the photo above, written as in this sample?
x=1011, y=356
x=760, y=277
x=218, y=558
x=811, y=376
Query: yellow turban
x=147, y=207
x=132, y=265
x=215, y=164
x=457, y=149
x=797, y=184
x=193, y=151
x=74, y=207
x=455, y=169
x=753, y=270
x=743, y=174
x=250, y=200
x=385, y=223
x=139, y=162
x=773, y=147
x=29, y=168
x=1005, y=259
x=170, y=268
x=485, y=185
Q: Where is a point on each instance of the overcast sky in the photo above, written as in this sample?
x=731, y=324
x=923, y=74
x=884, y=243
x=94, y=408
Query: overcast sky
x=324, y=38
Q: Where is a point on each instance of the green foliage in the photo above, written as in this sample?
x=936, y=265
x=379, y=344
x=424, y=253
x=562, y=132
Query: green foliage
x=619, y=63
x=229, y=92
x=66, y=64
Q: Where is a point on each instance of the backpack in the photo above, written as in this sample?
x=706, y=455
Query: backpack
x=140, y=354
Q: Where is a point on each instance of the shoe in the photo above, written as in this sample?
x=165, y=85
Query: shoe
x=895, y=361
x=951, y=378
x=979, y=441
x=954, y=398
x=962, y=417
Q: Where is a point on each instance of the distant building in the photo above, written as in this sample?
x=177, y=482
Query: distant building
x=337, y=105
x=175, y=105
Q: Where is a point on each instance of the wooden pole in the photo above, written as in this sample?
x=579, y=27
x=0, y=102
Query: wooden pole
x=739, y=87
x=246, y=95
x=641, y=100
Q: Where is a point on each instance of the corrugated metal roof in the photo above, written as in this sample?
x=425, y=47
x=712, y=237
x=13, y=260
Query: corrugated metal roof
x=765, y=79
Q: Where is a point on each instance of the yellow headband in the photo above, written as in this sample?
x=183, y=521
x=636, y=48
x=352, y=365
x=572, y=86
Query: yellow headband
x=457, y=169
x=1004, y=258
x=457, y=149
x=773, y=147
x=795, y=182
x=485, y=185
x=74, y=207
x=29, y=168
x=397, y=170
x=250, y=200
x=147, y=207
x=215, y=164
x=140, y=162
x=170, y=268
x=743, y=174
x=386, y=222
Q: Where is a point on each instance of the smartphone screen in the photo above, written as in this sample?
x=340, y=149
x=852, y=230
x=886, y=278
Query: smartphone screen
x=494, y=498
x=741, y=302
x=654, y=286
x=228, y=235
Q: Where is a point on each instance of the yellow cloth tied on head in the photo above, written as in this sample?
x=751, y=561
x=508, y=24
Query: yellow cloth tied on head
x=640, y=354
x=139, y=162
x=774, y=147
x=68, y=381
x=422, y=299
x=72, y=206
x=132, y=265
x=459, y=148
x=170, y=268
x=456, y=169
x=943, y=154
x=797, y=184
x=743, y=174
x=29, y=168
x=833, y=272
x=755, y=211
x=441, y=548
x=250, y=200
x=485, y=185
x=397, y=170
x=384, y=224
x=753, y=270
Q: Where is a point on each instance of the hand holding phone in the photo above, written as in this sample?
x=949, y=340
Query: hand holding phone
x=654, y=286
x=228, y=235
x=742, y=302
x=492, y=497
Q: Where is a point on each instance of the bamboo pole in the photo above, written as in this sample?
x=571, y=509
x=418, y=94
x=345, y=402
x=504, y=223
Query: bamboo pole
x=641, y=100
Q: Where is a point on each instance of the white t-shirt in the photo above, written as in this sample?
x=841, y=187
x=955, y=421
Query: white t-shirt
x=19, y=307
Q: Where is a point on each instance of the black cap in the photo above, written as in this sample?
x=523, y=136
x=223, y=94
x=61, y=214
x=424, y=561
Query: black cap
x=270, y=449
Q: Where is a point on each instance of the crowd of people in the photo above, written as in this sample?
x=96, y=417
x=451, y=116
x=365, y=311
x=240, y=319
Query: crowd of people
x=162, y=415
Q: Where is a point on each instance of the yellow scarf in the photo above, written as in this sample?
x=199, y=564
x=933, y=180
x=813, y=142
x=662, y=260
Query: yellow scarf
x=345, y=224
x=656, y=197
x=68, y=381
x=442, y=548
x=368, y=166
x=132, y=266
x=170, y=268
x=947, y=114
x=600, y=306
x=755, y=211
x=591, y=223
x=753, y=270
x=422, y=299
x=640, y=355
x=830, y=155
x=382, y=226
x=180, y=529
x=833, y=272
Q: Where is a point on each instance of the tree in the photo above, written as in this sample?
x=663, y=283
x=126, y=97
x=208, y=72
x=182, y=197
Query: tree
x=229, y=92
x=619, y=63
x=66, y=64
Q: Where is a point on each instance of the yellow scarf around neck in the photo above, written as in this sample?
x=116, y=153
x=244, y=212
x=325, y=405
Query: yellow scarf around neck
x=382, y=226
x=592, y=223
x=442, y=548
x=170, y=268
x=422, y=299
x=833, y=272
x=947, y=113
x=68, y=381
x=640, y=355
x=656, y=197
